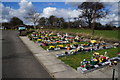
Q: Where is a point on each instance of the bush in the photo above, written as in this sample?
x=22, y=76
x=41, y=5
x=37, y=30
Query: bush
x=23, y=33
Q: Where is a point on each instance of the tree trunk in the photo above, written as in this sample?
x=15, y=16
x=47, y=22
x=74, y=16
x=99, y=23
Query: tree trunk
x=93, y=25
x=89, y=24
x=35, y=28
x=93, y=30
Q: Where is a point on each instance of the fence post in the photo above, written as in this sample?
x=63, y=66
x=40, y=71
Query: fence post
x=113, y=74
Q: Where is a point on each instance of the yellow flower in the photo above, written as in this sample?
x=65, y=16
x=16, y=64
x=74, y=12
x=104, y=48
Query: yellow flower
x=93, y=41
x=51, y=33
x=100, y=60
x=60, y=45
x=96, y=53
x=39, y=39
x=51, y=47
x=95, y=59
x=46, y=35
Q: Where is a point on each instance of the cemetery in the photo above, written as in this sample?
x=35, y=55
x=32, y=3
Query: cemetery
x=81, y=53
x=73, y=39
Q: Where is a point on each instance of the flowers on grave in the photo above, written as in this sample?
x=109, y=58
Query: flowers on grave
x=95, y=54
x=70, y=41
x=62, y=38
x=105, y=55
x=92, y=62
x=118, y=54
x=39, y=39
x=50, y=47
x=73, y=51
x=115, y=62
x=103, y=58
x=85, y=64
x=93, y=41
x=83, y=45
x=100, y=58
x=43, y=44
x=46, y=35
x=68, y=45
x=50, y=42
x=97, y=58
x=78, y=49
x=71, y=38
x=66, y=39
x=57, y=41
x=82, y=65
x=84, y=61
x=32, y=34
x=116, y=45
x=75, y=44
x=66, y=35
x=112, y=62
x=77, y=38
x=68, y=48
x=51, y=34
x=59, y=45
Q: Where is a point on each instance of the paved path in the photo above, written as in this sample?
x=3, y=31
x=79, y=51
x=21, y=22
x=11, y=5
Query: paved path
x=18, y=61
x=60, y=70
x=55, y=67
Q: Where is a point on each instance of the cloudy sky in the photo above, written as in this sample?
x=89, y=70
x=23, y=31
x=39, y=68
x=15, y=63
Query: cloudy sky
x=66, y=9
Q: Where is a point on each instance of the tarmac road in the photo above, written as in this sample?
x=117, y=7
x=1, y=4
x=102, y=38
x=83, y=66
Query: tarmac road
x=17, y=60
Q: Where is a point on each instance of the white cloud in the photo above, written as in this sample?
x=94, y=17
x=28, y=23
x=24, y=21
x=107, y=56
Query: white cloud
x=92, y=0
x=25, y=6
x=109, y=18
x=113, y=16
x=113, y=8
x=78, y=2
x=8, y=13
x=65, y=13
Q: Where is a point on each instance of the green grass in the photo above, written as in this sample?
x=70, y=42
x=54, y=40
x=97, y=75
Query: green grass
x=8, y=29
x=45, y=47
x=74, y=60
x=112, y=34
x=34, y=40
x=83, y=42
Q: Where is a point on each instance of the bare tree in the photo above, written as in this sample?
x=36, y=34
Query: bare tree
x=33, y=17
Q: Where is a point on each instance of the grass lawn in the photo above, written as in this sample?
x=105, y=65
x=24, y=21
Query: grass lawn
x=74, y=60
x=112, y=34
x=34, y=40
x=45, y=47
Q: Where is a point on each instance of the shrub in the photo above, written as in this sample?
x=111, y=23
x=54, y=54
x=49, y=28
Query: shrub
x=23, y=33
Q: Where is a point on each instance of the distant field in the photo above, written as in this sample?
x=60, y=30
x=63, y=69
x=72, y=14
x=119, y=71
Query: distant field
x=74, y=60
x=111, y=34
